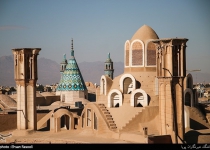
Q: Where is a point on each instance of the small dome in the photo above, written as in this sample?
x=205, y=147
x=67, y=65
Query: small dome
x=144, y=33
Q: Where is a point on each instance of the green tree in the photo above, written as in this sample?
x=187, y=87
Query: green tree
x=40, y=88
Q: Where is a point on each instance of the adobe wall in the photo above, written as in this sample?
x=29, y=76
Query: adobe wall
x=147, y=83
x=9, y=121
x=102, y=126
x=47, y=100
x=149, y=118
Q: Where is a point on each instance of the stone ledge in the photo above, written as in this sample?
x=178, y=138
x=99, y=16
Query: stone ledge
x=23, y=132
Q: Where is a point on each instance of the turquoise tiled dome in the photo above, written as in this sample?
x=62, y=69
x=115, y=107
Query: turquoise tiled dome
x=71, y=79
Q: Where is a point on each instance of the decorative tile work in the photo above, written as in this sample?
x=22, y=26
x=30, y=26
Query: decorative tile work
x=72, y=79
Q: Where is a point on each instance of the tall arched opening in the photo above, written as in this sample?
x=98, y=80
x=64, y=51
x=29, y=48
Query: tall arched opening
x=114, y=98
x=188, y=97
x=127, y=83
x=139, y=98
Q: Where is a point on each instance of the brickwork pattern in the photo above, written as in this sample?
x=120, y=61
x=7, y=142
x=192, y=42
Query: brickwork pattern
x=151, y=57
x=137, y=57
x=151, y=54
x=137, y=54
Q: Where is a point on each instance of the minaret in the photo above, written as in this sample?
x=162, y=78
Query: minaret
x=25, y=74
x=63, y=64
x=109, y=71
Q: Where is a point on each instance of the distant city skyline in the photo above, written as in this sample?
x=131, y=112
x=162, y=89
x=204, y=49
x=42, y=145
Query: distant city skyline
x=100, y=27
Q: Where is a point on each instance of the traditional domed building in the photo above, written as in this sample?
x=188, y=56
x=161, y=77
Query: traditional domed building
x=71, y=87
x=138, y=85
x=153, y=93
x=153, y=101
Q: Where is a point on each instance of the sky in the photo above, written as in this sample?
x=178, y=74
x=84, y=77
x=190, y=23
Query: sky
x=102, y=26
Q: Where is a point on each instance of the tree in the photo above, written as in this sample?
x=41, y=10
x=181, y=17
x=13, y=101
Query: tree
x=40, y=88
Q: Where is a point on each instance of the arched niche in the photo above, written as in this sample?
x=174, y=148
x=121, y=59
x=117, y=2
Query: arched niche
x=188, y=97
x=150, y=57
x=137, y=54
x=103, y=85
x=189, y=81
x=127, y=53
x=65, y=122
x=114, y=98
x=139, y=98
x=62, y=118
x=127, y=83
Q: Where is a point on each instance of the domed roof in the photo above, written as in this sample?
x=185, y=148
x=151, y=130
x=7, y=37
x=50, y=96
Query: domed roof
x=71, y=79
x=144, y=33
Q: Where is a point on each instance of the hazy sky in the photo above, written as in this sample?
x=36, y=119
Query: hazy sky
x=102, y=26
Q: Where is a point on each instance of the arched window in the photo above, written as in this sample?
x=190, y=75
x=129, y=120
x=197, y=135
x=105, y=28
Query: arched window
x=127, y=83
x=138, y=100
x=151, y=54
x=114, y=98
x=128, y=86
x=127, y=45
x=137, y=54
x=187, y=99
x=88, y=117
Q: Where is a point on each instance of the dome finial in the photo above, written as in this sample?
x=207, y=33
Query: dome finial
x=72, y=48
x=72, y=44
x=108, y=55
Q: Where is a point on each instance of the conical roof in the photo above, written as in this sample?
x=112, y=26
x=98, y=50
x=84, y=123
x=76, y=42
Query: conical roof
x=71, y=79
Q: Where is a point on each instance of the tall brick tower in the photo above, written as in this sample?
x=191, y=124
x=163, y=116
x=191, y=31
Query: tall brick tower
x=25, y=74
x=171, y=71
